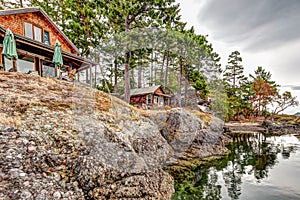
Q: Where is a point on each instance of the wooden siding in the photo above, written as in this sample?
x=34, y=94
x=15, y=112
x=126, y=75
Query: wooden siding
x=138, y=100
x=16, y=24
x=159, y=91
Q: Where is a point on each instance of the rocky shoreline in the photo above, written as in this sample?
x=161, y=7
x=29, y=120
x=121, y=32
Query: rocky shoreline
x=267, y=127
x=60, y=140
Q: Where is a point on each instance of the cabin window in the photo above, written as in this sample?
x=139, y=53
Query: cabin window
x=25, y=64
x=149, y=99
x=37, y=34
x=28, y=30
x=156, y=99
x=46, y=37
x=48, y=69
x=8, y=64
x=161, y=101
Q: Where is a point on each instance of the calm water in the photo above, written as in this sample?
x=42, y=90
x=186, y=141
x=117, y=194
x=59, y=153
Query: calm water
x=258, y=167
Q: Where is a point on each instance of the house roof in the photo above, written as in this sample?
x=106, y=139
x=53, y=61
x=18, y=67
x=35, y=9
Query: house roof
x=40, y=10
x=143, y=91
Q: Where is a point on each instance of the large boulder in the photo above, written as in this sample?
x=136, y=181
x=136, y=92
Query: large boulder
x=189, y=137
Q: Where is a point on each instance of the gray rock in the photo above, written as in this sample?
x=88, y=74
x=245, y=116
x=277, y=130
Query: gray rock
x=57, y=195
x=9, y=129
x=26, y=195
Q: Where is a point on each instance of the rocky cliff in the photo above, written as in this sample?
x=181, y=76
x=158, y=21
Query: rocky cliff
x=61, y=140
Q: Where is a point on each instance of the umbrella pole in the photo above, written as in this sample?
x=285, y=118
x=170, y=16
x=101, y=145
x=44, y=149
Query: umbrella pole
x=14, y=65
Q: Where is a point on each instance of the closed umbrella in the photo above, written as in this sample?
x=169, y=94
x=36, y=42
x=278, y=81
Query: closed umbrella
x=57, y=57
x=9, y=47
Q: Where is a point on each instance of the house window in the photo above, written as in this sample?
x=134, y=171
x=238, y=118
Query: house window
x=149, y=99
x=28, y=30
x=25, y=64
x=48, y=69
x=155, y=99
x=46, y=37
x=37, y=34
x=161, y=101
x=8, y=64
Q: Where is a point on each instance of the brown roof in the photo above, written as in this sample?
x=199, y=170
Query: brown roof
x=143, y=91
x=40, y=10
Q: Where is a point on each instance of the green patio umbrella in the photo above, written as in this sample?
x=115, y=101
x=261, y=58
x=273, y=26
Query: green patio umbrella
x=9, y=47
x=57, y=57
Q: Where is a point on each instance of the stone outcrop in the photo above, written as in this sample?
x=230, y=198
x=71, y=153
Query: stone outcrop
x=189, y=137
x=60, y=140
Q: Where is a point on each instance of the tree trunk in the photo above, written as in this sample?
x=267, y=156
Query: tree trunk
x=179, y=82
x=186, y=84
x=140, y=76
x=14, y=64
x=155, y=76
x=151, y=70
x=127, y=68
x=116, y=90
x=167, y=70
x=162, y=69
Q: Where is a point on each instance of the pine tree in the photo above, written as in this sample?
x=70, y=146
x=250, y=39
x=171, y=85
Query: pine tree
x=234, y=80
x=233, y=74
x=126, y=15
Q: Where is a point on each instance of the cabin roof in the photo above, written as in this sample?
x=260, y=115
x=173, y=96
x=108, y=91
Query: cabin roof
x=40, y=10
x=143, y=91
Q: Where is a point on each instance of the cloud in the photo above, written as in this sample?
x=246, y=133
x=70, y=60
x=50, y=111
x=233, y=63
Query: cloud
x=255, y=25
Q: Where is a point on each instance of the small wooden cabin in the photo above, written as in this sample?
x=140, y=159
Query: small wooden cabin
x=150, y=96
x=35, y=35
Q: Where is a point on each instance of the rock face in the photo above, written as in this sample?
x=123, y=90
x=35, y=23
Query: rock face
x=64, y=141
x=190, y=138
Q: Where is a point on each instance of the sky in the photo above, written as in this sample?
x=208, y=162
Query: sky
x=265, y=32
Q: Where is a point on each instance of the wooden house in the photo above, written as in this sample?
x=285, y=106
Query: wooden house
x=35, y=35
x=150, y=96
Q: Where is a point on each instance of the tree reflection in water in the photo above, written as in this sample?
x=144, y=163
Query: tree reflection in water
x=251, y=154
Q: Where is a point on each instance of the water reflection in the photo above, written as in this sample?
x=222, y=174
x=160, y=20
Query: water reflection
x=248, y=166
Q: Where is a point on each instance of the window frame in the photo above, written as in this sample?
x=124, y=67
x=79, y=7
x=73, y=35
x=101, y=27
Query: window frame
x=25, y=55
x=49, y=40
x=41, y=33
x=149, y=97
x=33, y=25
x=156, y=99
x=32, y=33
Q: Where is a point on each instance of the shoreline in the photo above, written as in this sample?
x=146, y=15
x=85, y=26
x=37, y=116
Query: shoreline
x=266, y=127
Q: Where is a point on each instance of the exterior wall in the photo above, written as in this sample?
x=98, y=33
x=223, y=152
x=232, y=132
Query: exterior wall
x=16, y=24
x=142, y=99
x=139, y=100
x=159, y=91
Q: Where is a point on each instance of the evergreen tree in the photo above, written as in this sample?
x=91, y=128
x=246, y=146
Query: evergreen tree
x=235, y=81
x=233, y=74
x=81, y=21
x=126, y=15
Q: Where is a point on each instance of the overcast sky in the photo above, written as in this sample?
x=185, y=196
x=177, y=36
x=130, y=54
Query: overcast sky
x=265, y=32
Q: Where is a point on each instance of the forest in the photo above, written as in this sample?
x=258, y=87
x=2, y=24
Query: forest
x=145, y=43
